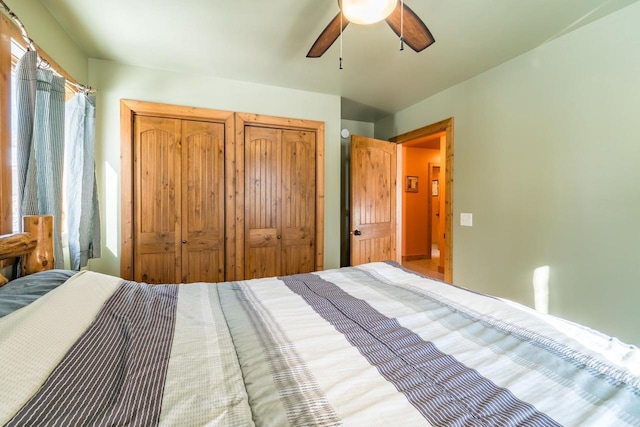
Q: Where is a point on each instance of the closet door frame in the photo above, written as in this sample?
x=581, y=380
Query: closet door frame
x=245, y=119
x=128, y=110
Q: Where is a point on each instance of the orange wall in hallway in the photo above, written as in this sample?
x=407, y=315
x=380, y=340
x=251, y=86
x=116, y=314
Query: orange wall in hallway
x=415, y=212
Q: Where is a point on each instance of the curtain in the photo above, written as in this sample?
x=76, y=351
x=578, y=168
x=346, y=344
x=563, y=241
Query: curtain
x=83, y=217
x=40, y=142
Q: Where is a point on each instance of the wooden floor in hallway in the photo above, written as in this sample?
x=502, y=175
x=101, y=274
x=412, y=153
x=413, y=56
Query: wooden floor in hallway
x=426, y=267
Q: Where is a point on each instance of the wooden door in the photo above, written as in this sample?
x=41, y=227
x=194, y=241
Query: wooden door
x=157, y=200
x=279, y=201
x=202, y=218
x=178, y=200
x=299, y=196
x=373, y=200
x=178, y=185
x=263, y=198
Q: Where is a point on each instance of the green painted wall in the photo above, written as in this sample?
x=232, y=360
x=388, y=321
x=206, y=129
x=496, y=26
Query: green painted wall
x=547, y=155
x=50, y=36
x=115, y=82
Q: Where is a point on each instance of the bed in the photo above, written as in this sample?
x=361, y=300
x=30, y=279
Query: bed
x=372, y=345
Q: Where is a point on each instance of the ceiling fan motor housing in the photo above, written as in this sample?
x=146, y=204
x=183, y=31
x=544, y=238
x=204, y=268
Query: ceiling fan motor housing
x=366, y=12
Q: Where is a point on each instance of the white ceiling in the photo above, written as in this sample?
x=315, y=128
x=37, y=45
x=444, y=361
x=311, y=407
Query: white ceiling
x=265, y=41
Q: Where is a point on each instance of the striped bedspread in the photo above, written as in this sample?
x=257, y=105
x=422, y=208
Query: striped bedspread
x=372, y=345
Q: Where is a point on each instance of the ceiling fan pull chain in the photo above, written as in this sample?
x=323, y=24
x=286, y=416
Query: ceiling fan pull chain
x=341, y=40
x=401, y=24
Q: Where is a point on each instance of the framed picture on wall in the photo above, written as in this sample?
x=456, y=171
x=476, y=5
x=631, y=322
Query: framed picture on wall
x=411, y=184
x=435, y=188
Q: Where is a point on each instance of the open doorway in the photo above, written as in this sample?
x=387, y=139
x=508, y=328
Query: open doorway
x=421, y=206
x=425, y=171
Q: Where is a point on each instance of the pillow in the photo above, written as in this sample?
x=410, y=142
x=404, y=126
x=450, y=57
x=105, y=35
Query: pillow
x=25, y=290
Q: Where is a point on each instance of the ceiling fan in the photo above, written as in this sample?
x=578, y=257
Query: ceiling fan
x=402, y=20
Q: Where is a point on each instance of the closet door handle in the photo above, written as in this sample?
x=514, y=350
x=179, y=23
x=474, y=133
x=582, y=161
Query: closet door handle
x=357, y=232
x=279, y=237
x=184, y=242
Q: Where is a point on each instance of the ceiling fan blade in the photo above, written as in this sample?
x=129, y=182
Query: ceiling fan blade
x=416, y=34
x=327, y=37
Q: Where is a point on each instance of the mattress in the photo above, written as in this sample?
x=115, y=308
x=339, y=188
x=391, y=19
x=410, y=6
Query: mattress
x=368, y=345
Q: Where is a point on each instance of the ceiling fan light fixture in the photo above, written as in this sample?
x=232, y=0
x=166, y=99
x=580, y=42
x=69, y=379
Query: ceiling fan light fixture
x=367, y=11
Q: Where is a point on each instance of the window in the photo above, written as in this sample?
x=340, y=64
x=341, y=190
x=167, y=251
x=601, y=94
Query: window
x=9, y=214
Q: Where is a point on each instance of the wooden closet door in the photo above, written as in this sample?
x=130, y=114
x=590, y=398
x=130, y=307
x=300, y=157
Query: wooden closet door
x=157, y=200
x=178, y=185
x=279, y=204
x=263, y=201
x=203, y=202
x=299, y=201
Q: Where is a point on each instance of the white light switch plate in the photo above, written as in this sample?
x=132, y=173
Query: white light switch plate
x=466, y=219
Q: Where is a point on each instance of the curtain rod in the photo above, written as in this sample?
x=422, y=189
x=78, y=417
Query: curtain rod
x=31, y=46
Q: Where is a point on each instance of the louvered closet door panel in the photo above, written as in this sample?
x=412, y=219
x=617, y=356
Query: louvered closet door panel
x=298, y=196
x=157, y=200
x=203, y=202
x=263, y=164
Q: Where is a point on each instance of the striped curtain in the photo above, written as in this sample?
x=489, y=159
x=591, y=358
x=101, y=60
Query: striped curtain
x=40, y=144
x=83, y=217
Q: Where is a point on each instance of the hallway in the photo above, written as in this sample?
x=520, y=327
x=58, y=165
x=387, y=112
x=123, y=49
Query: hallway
x=426, y=267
